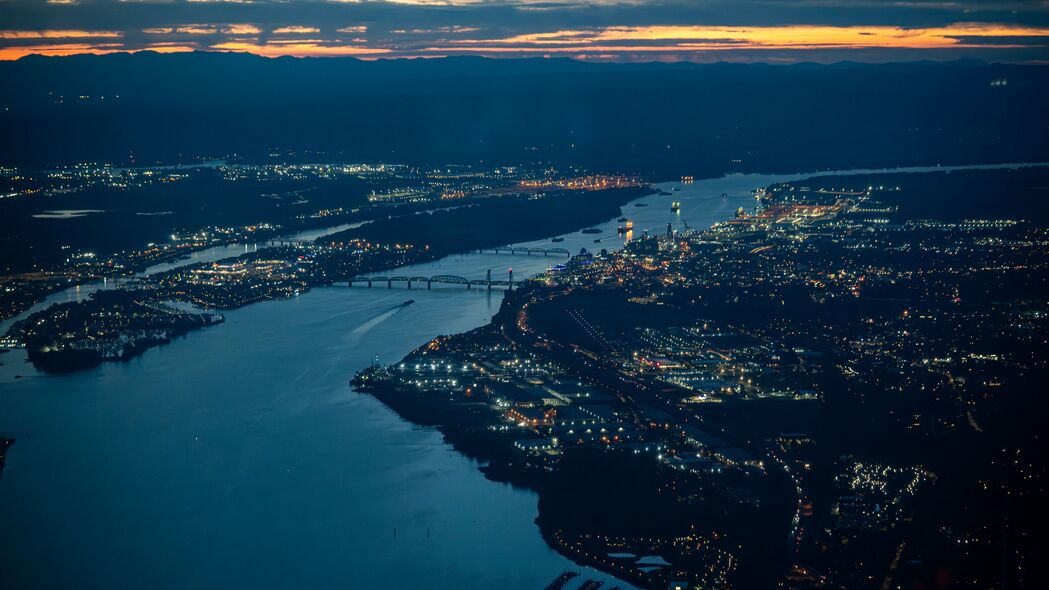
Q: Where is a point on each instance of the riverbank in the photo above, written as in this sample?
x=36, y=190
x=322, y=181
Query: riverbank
x=242, y=447
x=197, y=238
x=126, y=326
x=584, y=491
x=282, y=273
x=516, y=433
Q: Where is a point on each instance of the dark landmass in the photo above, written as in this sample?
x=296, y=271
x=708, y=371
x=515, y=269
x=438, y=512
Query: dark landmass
x=839, y=389
x=220, y=204
x=592, y=493
x=20, y=292
x=278, y=273
x=497, y=223
x=1021, y=194
x=112, y=325
x=663, y=120
x=197, y=198
x=118, y=325
x=56, y=224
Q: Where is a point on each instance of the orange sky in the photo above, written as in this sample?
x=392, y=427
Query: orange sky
x=300, y=40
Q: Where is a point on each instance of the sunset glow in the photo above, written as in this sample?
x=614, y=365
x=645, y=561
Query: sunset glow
x=618, y=30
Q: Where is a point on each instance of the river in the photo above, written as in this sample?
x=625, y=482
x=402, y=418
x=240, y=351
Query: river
x=237, y=456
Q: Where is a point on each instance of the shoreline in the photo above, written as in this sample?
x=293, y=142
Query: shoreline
x=469, y=432
x=420, y=256
x=404, y=211
x=497, y=467
x=466, y=431
x=468, y=427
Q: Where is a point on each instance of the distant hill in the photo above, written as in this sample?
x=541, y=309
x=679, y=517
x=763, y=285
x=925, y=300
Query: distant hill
x=659, y=119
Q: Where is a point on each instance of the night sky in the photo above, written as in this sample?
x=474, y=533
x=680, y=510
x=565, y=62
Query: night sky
x=773, y=31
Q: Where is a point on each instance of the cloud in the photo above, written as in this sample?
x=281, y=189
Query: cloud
x=197, y=30
x=780, y=30
x=451, y=29
x=691, y=38
x=305, y=48
x=295, y=30
x=242, y=30
x=57, y=34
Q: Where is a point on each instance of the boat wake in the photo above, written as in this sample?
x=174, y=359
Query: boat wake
x=381, y=317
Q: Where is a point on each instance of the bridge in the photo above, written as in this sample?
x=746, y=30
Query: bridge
x=288, y=242
x=439, y=279
x=511, y=250
x=514, y=250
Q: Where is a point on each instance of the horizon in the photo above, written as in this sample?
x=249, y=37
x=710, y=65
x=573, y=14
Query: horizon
x=534, y=58
x=611, y=30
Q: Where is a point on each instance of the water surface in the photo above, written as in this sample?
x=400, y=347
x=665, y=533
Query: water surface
x=238, y=456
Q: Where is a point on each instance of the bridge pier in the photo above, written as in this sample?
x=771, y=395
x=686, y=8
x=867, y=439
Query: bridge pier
x=429, y=285
x=409, y=283
x=369, y=283
x=389, y=284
